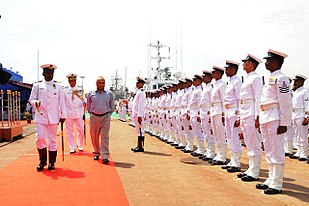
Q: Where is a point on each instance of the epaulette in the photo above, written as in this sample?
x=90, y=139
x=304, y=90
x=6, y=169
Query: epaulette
x=65, y=87
x=37, y=82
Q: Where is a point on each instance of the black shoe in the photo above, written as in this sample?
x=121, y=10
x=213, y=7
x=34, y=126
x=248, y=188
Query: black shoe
x=302, y=159
x=210, y=161
x=233, y=169
x=248, y=178
x=218, y=163
x=137, y=149
x=105, y=161
x=287, y=154
x=51, y=166
x=187, y=151
x=179, y=147
x=201, y=157
x=96, y=158
x=225, y=167
x=174, y=144
x=41, y=165
x=194, y=154
x=205, y=158
x=271, y=191
x=261, y=186
x=293, y=157
x=240, y=175
x=308, y=162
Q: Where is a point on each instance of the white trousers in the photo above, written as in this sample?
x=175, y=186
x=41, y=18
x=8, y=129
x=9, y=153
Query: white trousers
x=232, y=133
x=301, y=136
x=218, y=130
x=79, y=123
x=254, y=146
x=139, y=128
x=252, y=137
x=274, y=150
x=46, y=132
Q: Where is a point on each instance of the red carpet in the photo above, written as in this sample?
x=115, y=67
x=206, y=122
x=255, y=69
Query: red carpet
x=79, y=180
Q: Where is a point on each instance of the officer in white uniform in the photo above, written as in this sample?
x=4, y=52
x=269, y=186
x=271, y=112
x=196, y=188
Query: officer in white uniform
x=217, y=115
x=231, y=103
x=249, y=112
x=75, y=104
x=275, y=116
x=195, y=117
x=47, y=98
x=205, y=116
x=138, y=113
x=178, y=107
x=300, y=117
x=186, y=124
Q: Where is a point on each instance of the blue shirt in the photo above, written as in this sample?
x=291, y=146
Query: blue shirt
x=100, y=102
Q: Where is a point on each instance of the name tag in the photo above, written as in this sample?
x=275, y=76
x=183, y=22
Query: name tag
x=272, y=80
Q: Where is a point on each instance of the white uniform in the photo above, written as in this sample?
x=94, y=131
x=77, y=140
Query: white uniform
x=276, y=106
x=300, y=111
x=138, y=110
x=231, y=103
x=217, y=108
x=187, y=128
x=206, y=126
x=194, y=114
x=52, y=107
x=249, y=110
x=179, y=140
x=75, y=110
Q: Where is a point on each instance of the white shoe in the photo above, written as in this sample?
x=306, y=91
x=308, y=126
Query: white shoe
x=80, y=148
x=72, y=151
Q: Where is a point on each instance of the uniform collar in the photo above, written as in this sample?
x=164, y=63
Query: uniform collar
x=49, y=82
x=276, y=72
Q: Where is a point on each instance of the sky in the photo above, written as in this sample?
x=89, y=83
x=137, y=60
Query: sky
x=96, y=37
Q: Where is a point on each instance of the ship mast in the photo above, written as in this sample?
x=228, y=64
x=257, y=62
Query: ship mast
x=159, y=71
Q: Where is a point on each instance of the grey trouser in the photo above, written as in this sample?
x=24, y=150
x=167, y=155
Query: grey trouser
x=99, y=129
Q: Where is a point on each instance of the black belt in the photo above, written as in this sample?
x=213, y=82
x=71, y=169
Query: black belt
x=99, y=115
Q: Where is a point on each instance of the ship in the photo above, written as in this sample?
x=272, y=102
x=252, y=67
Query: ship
x=160, y=75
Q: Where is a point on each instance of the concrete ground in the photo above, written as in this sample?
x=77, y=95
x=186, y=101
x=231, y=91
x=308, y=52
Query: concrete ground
x=162, y=176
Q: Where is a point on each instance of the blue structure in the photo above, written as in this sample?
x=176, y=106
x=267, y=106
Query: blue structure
x=15, y=83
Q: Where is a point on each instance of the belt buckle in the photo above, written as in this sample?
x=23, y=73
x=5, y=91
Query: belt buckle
x=241, y=101
x=262, y=108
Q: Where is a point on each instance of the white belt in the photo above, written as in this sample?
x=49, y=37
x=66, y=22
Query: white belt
x=205, y=105
x=298, y=109
x=229, y=106
x=216, y=104
x=194, y=107
x=246, y=101
x=269, y=106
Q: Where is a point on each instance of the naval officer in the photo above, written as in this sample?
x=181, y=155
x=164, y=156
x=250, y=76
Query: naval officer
x=300, y=117
x=138, y=114
x=75, y=104
x=48, y=99
x=249, y=112
x=275, y=117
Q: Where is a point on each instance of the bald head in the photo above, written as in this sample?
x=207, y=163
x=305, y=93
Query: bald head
x=100, y=83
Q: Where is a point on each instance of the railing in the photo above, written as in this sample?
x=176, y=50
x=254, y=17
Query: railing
x=10, y=108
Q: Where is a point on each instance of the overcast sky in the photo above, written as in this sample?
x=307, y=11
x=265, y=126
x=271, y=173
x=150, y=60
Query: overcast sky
x=96, y=37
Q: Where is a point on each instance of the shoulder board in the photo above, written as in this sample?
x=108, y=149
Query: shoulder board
x=65, y=87
x=38, y=81
x=57, y=82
